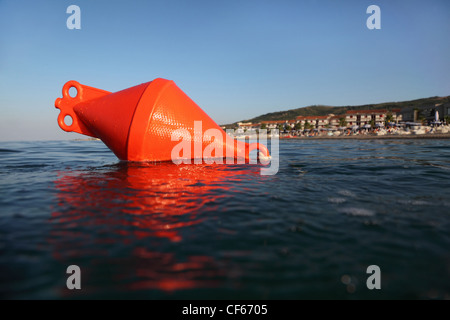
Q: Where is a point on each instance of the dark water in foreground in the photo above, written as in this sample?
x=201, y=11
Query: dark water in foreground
x=162, y=231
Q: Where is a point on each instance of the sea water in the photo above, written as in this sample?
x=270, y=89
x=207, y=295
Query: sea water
x=162, y=231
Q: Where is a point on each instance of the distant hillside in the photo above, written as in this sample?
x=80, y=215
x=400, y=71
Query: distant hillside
x=319, y=110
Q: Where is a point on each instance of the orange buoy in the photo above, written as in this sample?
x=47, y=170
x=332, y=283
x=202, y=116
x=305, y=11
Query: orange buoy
x=146, y=123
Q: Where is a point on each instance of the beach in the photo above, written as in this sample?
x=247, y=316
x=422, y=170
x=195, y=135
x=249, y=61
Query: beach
x=374, y=137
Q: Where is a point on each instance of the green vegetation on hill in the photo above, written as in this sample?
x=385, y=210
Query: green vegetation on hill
x=319, y=110
x=291, y=114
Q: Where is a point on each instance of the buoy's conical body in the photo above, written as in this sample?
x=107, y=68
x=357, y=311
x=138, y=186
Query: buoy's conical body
x=147, y=123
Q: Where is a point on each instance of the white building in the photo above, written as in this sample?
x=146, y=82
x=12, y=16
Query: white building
x=363, y=117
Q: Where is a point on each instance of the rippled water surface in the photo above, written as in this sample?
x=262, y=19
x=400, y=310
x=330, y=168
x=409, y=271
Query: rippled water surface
x=161, y=231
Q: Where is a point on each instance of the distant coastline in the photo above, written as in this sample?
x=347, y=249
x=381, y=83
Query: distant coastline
x=321, y=110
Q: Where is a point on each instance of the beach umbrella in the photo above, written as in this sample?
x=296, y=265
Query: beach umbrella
x=354, y=127
x=367, y=126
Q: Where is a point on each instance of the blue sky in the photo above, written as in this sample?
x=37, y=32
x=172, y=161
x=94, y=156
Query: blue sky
x=236, y=59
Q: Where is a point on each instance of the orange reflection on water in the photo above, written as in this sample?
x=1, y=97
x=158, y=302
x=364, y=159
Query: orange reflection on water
x=168, y=274
x=154, y=198
x=117, y=206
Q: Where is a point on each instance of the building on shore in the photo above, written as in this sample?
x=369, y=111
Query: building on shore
x=426, y=112
x=317, y=122
x=274, y=124
x=291, y=123
x=378, y=117
x=246, y=126
x=335, y=121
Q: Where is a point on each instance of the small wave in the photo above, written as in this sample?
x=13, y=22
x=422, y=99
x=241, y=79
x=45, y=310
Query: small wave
x=358, y=212
x=440, y=166
x=347, y=193
x=336, y=200
x=9, y=151
x=413, y=202
x=27, y=166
